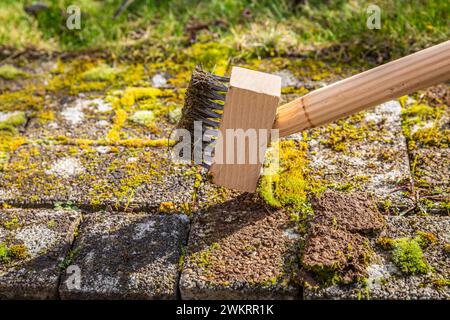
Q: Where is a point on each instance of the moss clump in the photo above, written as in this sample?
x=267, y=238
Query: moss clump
x=425, y=238
x=131, y=95
x=4, y=256
x=102, y=72
x=385, y=243
x=290, y=185
x=447, y=247
x=10, y=72
x=167, y=207
x=441, y=283
x=18, y=251
x=11, y=224
x=202, y=258
x=408, y=256
x=23, y=100
x=427, y=123
x=143, y=117
x=15, y=120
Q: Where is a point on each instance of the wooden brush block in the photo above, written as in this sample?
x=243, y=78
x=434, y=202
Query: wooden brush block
x=251, y=103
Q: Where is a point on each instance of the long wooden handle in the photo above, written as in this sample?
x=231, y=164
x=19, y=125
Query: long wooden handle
x=391, y=80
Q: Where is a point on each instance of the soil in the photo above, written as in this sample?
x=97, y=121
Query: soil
x=353, y=212
x=337, y=248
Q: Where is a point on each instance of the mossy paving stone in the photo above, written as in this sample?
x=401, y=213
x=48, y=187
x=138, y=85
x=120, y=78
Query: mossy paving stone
x=127, y=256
x=432, y=179
x=22, y=74
x=96, y=177
x=365, y=152
x=47, y=236
x=240, y=249
x=385, y=280
x=82, y=117
x=426, y=124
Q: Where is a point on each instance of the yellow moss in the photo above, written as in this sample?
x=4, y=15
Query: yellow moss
x=385, y=243
x=167, y=207
x=24, y=100
x=131, y=95
x=45, y=116
x=18, y=251
x=425, y=238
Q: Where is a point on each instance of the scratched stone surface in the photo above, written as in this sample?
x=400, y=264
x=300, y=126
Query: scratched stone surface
x=240, y=249
x=127, y=256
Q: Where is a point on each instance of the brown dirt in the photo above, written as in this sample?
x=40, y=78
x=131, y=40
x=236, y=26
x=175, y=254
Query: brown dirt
x=336, y=248
x=353, y=212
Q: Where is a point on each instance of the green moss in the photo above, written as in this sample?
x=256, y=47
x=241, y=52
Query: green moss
x=4, y=253
x=16, y=252
x=343, y=132
x=181, y=258
x=408, y=256
x=23, y=100
x=11, y=224
x=102, y=72
x=202, y=258
x=290, y=185
x=441, y=283
x=10, y=72
x=13, y=121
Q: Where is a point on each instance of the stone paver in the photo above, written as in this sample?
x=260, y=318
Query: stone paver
x=37, y=241
x=240, y=249
x=78, y=117
x=386, y=281
x=124, y=256
x=365, y=152
x=96, y=176
x=426, y=124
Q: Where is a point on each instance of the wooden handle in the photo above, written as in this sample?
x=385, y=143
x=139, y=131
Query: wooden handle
x=391, y=80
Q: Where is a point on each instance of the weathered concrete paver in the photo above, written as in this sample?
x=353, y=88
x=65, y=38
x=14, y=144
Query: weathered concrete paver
x=120, y=256
x=240, y=249
x=426, y=124
x=36, y=242
x=386, y=281
x=365, y=152
x=79, y=117
x=96, y=176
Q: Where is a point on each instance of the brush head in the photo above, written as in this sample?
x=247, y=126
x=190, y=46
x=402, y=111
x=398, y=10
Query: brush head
x=204, y=102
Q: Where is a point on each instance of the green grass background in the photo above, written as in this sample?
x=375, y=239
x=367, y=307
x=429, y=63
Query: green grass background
x=271, y=27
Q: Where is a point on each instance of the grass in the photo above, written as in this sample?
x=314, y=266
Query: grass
x=261, y=28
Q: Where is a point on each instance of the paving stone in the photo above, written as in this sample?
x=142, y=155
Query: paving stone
x=386, y=281
x=426, y=124
x=240, y=249
x=79, y=117
x=364, y=152
x=432, y=179
x=45, y=236
x=97, y=176
x=120, y=256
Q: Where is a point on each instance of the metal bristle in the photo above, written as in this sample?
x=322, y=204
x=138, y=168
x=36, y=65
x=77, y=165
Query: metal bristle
x=205, y=98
